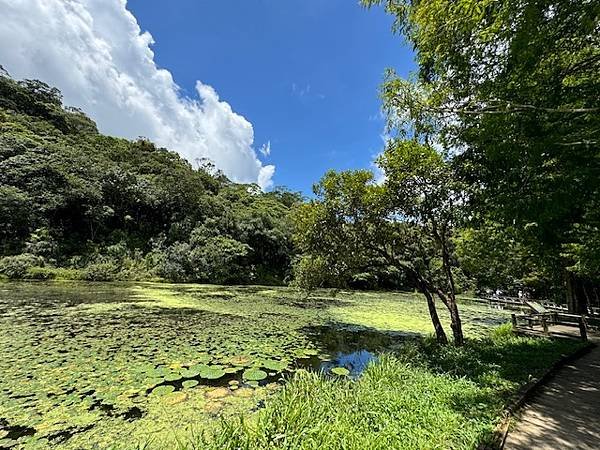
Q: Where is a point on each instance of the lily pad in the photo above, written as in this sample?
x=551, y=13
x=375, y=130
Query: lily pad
x=163, y=390
x=203, y=358
x=175, y=376
x=198, y=367
x=212, y=372
x=341, y=371
x=273, y=365
x=188, y=384
x=306, y=353
x=241, y=360
x=254, y=375
x=190, y=373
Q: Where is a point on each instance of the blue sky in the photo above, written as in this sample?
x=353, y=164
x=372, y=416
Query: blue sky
x=305, y=73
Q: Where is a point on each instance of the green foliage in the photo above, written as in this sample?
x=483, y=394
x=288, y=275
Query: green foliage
x=103, y=271
x=118, y=209
x=16, y=267
x=52, y=273
x=39, y=273
x=404, y=224
x=254, y=375
x=511, y=89
x=310, y=273
x=15, y=212
x=495, y=257
x=340, y=371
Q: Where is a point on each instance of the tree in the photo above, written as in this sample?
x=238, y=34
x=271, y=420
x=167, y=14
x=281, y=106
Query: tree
x=405, y=222
x=425, y=192
x=74, y=196
x=15, y=215
x=512, y=88
x=495, y=258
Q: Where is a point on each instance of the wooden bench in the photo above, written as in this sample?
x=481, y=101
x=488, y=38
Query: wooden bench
x=546, y=318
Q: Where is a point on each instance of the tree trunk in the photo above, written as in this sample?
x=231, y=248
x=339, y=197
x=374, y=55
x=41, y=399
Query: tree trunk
x=456, y=325
x=588, y=298
x=455, y=321
x=576, y=301
x=449, y=300
x=440, y=334
x=571, y=303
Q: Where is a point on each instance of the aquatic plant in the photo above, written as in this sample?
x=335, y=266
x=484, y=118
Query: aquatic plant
x=254, y=375
x=99, y=362
x=341, y=371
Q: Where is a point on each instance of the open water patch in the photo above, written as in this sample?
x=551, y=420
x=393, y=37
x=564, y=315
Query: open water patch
x=349, y=351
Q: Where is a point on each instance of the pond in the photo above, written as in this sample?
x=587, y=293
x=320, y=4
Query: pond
x=88, y=365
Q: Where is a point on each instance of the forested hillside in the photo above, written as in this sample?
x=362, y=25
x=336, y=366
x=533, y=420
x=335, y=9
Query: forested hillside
x=103, y=208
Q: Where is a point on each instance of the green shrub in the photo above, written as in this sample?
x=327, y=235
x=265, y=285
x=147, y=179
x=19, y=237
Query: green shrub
x=309, y=273
x=104, y=271
x=40, y=273
x=502, y=333
x=68, y=274
x=174, y=262
x=16, y=267
x=52, y=273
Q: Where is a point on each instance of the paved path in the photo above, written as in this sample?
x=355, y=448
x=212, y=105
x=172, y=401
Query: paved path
x=565, y=414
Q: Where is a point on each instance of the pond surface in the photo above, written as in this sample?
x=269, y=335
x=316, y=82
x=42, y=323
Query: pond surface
x=87, y=365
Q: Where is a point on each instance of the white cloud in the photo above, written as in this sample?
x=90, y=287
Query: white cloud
x=96, y=54
x=378, y=173
x=265, y=150
x=301, y=91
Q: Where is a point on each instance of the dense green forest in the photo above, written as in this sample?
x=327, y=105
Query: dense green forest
x=105, y=208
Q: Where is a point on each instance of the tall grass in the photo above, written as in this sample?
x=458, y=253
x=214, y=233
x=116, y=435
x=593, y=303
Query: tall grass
x=425, y=397
x=394, y=406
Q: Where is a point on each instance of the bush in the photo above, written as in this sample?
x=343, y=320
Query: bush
x=136, y=269
x=52, y=273
x=16, y=267
x=310, y=273
x=174, y=263
x=40, y=273
x=104, y=271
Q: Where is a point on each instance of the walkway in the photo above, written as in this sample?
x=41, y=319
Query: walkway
x=565, y=414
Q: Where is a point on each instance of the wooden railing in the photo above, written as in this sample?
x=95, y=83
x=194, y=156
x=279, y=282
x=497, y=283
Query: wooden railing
x=550, y=319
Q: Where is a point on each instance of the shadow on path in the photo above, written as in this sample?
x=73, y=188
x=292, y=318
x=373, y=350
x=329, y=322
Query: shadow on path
x=565, y=413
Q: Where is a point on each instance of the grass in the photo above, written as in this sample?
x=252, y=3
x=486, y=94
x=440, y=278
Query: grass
x=425, y=397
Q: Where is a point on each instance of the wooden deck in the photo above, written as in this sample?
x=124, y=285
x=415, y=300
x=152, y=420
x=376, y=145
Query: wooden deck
x=555, y=331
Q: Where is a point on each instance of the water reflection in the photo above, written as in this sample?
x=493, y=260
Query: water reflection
x=350, y=348
x=355, y=362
